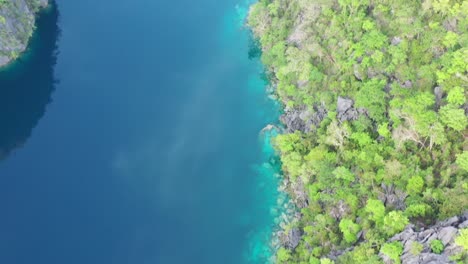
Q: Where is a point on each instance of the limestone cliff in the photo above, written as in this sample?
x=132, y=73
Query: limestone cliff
x=17, y=21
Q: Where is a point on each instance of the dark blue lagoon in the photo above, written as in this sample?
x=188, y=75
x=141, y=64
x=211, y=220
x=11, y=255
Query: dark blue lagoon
x=131, y=134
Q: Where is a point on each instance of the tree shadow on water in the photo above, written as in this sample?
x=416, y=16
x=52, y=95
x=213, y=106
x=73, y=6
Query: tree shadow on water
x=255, y=48
x=27, y=84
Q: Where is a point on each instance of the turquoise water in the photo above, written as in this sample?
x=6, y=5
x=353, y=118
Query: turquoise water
x=267, y=170
x=132, y=135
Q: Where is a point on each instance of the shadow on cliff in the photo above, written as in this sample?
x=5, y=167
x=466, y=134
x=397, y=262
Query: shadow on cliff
x=27, y=84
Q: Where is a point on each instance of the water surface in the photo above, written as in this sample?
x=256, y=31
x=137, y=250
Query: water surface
x=139, y=141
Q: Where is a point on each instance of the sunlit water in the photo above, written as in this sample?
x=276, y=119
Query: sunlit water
x=134, y=136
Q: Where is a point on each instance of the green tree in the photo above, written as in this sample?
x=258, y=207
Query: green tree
x=437, y=246
x=454, y=118
x=344, y=174
x=415, y=185
x=418, y=210
x=416, y=248
x=462, y=160
x=395, y=222
x=349, y=230
x=283, y=255
x=456, y=96
x=376, y=210
x=373, y=97
x=383, y=130
x=462, y=239
x=393, y=251
x=450, y=39
x=326, y=261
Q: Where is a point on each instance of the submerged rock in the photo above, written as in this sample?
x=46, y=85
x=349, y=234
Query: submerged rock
x=271, y=128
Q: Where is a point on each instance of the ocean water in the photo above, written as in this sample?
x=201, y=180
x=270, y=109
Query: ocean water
x=131, y=133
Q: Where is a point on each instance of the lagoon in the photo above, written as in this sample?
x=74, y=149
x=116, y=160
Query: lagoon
x=131, y=134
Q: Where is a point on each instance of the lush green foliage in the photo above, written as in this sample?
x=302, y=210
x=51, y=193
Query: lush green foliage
x=437, y=246
x=393, y=251
x=416, y=248
x=404, y=64
x=462, y=239
x=283, y=255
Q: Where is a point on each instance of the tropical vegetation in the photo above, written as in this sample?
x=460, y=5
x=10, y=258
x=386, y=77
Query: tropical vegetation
x=398, y=154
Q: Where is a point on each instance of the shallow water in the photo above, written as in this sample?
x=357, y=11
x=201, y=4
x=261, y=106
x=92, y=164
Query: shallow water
x=137, y=139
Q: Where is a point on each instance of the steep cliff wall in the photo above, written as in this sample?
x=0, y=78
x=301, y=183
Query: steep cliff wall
x=16, y=26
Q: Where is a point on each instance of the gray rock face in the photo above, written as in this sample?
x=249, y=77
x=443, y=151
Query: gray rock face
x=427, y=258
x=396, y=41
x=446, y=231
x=447, y=234
x=392, y=197
x=346, y=111
x=357, y=73
x=344, y=104
x=407, y=84
x=294, y=236
x=16, y=27
x=438, y=95
x=292, y=121
x=303, y=120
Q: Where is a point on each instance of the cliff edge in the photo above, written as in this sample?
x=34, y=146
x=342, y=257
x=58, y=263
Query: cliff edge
x=17, y=21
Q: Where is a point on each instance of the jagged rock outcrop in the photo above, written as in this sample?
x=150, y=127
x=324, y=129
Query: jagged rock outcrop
x=438, y=96
x=294, y=237
x=346, y=111
x=17, y=19
x=445, y=231
x=392, y=197
x=303, y=119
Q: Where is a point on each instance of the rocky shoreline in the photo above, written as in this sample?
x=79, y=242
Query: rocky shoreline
x=17, y=22
x=367, y=146
x=288, y=237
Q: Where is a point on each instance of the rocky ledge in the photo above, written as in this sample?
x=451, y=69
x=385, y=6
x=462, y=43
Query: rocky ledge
x=17, y=21
x=417, y=244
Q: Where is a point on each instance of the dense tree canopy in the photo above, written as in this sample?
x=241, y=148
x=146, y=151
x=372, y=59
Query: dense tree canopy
x=399, y=153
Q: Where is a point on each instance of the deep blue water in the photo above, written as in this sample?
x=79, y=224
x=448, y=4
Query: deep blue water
x=130, y=134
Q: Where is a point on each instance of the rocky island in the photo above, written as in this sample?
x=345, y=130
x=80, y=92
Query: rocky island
x=17, y=21
x=375, y=147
